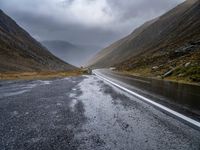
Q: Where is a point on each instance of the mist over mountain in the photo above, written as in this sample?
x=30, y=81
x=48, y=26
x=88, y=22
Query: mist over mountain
x=20, y=52
x=68, y=52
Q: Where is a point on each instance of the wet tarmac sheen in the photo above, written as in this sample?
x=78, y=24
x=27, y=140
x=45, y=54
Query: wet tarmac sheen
x=84, y=113
x=183, y=98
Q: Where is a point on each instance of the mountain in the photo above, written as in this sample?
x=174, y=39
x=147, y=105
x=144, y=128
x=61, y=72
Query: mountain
x=166, y=43
x=20, y=52
x=118, y=51
x=72, y=53
x=180, y=23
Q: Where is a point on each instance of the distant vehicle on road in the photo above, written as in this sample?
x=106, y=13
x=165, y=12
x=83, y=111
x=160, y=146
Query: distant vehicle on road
x=87, y=70
x=112, y=68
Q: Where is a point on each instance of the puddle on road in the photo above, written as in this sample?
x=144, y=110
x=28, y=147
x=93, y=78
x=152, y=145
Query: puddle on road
x=19, y=87
x=15, y=89
x=13, y=93
x=45, y=82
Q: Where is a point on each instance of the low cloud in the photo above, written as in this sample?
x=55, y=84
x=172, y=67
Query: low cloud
x=95, y=22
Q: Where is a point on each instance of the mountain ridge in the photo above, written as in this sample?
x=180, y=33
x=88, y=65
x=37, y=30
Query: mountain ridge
x=21, y=52
x=70, y=52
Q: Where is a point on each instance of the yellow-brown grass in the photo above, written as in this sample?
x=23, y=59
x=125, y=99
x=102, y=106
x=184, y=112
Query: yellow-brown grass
x=39, y=75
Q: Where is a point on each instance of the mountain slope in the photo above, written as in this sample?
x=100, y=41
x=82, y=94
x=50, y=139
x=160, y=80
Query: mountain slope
x=74, y=54
x=166, y=33
x=115, y=53
x=20, y=52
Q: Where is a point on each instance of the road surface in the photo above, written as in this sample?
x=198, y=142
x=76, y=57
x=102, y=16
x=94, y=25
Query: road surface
x=85, y=113
x=183, y=98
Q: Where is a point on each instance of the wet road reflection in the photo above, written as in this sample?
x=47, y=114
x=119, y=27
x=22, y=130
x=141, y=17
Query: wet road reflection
x=175, y=95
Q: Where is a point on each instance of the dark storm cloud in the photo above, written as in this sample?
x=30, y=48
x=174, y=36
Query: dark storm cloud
x=129, y=9
x=92, y=22
x=45, y=28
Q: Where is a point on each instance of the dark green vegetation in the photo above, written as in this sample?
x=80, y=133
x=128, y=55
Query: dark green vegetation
x=19, y=52
x=191, y=73
x=166, y=47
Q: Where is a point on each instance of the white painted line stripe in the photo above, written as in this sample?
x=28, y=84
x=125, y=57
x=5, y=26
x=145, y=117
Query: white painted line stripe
x=192, y=122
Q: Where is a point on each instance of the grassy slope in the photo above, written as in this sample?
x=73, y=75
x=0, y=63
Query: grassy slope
x=177, y=54
x=39, y=75
x=185, y=68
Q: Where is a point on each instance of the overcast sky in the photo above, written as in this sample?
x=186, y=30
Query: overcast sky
x=89, y=22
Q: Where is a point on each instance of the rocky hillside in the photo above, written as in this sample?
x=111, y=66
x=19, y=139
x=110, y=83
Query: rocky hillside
x=166, y=46
x=20, y=52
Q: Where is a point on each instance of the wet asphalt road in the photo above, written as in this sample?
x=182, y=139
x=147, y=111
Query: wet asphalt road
x=183, y=98
x=84, y=113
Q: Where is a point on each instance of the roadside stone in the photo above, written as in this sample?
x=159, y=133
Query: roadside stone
x=187, y=64
x=155, y=68
x=168, y=73
x=159, y=77
x=181, y=75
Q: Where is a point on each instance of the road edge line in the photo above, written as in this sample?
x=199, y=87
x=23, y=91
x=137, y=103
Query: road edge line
x=191, y=122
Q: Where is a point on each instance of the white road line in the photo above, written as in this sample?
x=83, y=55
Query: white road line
x=179, y=116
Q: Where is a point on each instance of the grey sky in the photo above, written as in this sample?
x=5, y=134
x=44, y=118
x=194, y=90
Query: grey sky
x=89, y=22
